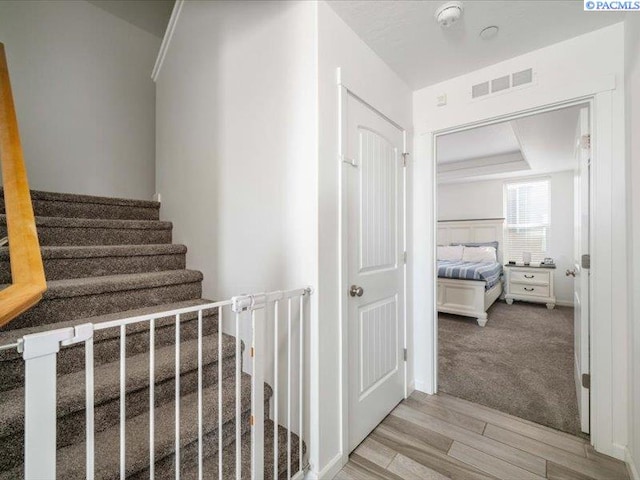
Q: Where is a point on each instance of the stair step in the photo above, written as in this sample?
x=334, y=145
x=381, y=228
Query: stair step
x=91, y=261
x=70, y=463
x=51, y=204
x=71, y=392
x=107, y=342
x=210, y=465
x=75, y=298
x=85, y=231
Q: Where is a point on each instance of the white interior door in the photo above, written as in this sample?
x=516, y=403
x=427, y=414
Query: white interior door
x=375, y=233
x=580, y=268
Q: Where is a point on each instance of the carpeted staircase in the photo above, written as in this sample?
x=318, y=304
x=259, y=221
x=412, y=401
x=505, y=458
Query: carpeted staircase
x=107, y=259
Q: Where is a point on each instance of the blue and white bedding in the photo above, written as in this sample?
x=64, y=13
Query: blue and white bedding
x=489, y=272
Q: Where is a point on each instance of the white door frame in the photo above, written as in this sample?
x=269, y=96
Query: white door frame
x=602, y=193
x=343, y=93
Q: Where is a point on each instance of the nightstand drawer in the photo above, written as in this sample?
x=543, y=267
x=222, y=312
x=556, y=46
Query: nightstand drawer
x=538, y=278
x=532, y=290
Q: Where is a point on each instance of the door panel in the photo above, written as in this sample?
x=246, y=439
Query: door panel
x=375, y=233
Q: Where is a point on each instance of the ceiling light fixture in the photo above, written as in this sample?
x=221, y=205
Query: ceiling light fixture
x=489, y=32
x=448, y=14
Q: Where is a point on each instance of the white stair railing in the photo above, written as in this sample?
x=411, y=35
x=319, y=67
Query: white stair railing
x=260, y=312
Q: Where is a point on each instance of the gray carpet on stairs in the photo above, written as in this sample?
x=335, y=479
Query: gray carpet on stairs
x=521, y=363
x=106, y=259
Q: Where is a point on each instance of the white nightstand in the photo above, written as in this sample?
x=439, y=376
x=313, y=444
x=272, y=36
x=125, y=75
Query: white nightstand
x=530, y=284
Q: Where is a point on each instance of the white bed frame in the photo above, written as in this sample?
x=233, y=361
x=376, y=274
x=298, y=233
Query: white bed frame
x=469, y=297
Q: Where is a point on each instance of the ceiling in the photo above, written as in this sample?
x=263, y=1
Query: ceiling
x=406, y=36
x=478, y=142
x=149, y=15
x=533, y=145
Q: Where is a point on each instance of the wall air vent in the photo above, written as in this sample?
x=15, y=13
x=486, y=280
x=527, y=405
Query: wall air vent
x=499, y=84
x=480, y=90
x=503, y=84
x=522, y=78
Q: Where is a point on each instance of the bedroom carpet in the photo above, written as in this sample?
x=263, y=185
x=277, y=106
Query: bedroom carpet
x=521, y=363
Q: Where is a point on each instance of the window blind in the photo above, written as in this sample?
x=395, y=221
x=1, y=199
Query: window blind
x=527, y=206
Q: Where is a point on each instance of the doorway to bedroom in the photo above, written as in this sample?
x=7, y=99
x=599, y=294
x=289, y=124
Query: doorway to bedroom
x=512, y=266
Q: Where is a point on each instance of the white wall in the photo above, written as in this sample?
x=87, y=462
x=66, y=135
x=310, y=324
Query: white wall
x=485, y=199
x=460, y=201
x=591, y=64
x=363, y=72
x=84, y=97
x=237, y=153
x=632, y=70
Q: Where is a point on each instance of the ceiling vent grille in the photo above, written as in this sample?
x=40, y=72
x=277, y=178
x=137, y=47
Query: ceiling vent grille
x=503, y=83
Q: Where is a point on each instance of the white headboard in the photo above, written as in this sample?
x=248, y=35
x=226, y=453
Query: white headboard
x=467, y=231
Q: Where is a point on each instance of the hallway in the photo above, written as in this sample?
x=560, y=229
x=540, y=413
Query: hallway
x=439, y=437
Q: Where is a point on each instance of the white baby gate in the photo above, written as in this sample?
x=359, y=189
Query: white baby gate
x=40, y=352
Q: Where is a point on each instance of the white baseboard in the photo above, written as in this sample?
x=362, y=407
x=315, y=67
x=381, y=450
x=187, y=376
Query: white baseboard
x=634, y=472
x=618, y=451
x=330, y=470
x=411, y=387
x=421, y=386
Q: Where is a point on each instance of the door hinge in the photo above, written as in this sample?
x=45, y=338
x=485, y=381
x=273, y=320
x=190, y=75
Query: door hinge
x=404, y=159
x=405, y=354
x=404, y=257
x=586, y=380
x=585, y=141
x=586, y=261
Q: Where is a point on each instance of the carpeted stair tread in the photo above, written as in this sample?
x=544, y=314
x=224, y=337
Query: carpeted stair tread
x=103, y=223
x=71, y=389
x=10, y=336
x=81, y=198
x=74, y=287
x=64, y=262
x=88, y=206
x=98, y=251
x=210, y=464
x=85, y=297
x=97, y=231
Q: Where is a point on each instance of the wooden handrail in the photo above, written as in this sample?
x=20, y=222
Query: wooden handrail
x=27, y=271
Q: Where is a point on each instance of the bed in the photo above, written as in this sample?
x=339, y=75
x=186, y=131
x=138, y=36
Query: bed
x=470, y=288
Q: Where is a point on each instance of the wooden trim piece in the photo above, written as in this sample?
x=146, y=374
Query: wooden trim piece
x=27, y=270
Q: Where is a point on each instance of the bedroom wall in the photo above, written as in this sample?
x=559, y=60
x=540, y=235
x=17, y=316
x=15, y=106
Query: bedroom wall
x=485, y=199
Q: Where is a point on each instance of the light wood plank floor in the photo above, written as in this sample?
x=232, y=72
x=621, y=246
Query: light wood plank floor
x=442, y=437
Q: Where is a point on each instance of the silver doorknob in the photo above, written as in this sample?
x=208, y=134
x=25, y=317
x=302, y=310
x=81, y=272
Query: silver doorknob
x=356, y=291
x=571, y=273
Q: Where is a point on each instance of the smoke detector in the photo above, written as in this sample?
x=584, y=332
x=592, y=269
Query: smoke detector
x=448, y=14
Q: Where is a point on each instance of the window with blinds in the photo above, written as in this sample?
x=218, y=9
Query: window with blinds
x=527, y=206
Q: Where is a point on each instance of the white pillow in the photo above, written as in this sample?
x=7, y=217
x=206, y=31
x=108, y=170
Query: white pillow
x=479, y=254
x=452, y=252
